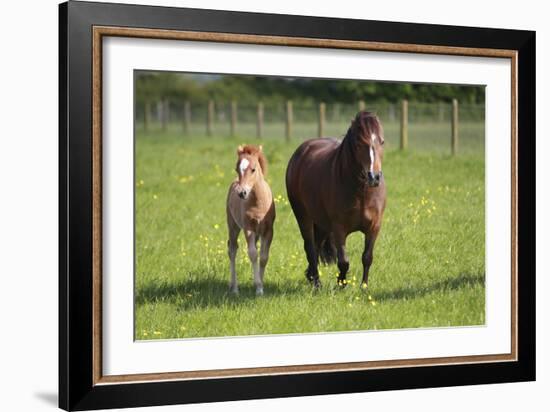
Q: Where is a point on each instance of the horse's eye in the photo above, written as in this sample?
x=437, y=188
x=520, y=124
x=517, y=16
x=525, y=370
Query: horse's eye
x=253, y=170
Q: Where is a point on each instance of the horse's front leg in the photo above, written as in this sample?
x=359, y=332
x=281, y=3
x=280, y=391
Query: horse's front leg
x=306, y=229
x=264, y=251
x=253, y=256
x=343, y=260
x=232, y=247
x=370, y=239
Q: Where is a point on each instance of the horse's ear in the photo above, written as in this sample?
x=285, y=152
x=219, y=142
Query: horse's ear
x=260, y=148
x=240, y=150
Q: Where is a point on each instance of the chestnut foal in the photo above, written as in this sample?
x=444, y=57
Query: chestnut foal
x=250, y=207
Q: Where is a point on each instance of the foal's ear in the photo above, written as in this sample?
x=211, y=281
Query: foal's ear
x=240, y=150
x=260, y=148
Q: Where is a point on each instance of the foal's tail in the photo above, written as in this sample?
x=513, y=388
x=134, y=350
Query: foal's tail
x=324, y=245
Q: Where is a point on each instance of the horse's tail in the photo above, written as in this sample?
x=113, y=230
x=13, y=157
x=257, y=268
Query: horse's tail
x=324, y=244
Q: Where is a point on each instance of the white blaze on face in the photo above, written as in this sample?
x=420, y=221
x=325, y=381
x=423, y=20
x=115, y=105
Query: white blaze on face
x=243, y=165
x=371, y=153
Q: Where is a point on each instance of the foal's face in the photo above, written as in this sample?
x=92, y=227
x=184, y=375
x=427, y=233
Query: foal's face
x=248, y=169
x=369, y=147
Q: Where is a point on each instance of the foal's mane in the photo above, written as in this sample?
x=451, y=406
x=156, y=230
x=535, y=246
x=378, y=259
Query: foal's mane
x=255, y=151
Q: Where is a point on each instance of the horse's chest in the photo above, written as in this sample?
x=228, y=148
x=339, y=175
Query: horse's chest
x=372, y=211
x=353, y=218
x=255, y=219
x=359, y=214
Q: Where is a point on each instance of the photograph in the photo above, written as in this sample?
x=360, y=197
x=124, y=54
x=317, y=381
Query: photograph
x=266, y=205
x=272, y=205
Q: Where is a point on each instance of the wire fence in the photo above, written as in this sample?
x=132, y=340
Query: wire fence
x=429, y=127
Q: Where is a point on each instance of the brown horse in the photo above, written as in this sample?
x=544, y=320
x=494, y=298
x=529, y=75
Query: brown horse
x=336, y=188
x=250, y=207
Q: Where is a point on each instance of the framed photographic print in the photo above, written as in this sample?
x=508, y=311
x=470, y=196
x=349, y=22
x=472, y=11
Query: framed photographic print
x=257, y=205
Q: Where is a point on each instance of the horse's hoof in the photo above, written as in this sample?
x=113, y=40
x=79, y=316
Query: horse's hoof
x=364, y=286
x=342, y=283
x=259, y=292
x=316, y=283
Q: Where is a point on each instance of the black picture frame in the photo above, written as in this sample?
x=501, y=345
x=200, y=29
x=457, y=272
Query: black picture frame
x=77, y=390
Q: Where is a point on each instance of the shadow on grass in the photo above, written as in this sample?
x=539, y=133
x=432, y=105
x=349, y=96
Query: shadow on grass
x=198, y=293
x=210, y=292
x=450, y=284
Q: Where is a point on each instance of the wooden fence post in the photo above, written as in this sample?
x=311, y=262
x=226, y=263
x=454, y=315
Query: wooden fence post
x=233, y=118
x=210, y=118
x=165, y=109
x=336, y=112
x=361, y=105
x=289, y=119
x=160, y=113
x=322, y=110
x=391, y=112
x=260, y=121
x=146, y=115
x=186, y=117
x=404, y=124
x=454, y=125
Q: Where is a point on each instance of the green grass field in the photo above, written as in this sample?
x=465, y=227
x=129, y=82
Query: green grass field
x=428, y=268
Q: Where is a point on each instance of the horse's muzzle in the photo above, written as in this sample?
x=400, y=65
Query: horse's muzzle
x=243, y=193
x=373, y=179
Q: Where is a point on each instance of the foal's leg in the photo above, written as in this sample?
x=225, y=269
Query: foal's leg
x=232, y=247
x=370, y=239
x=264, y=252
x=253, y=256
x=343, y=260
